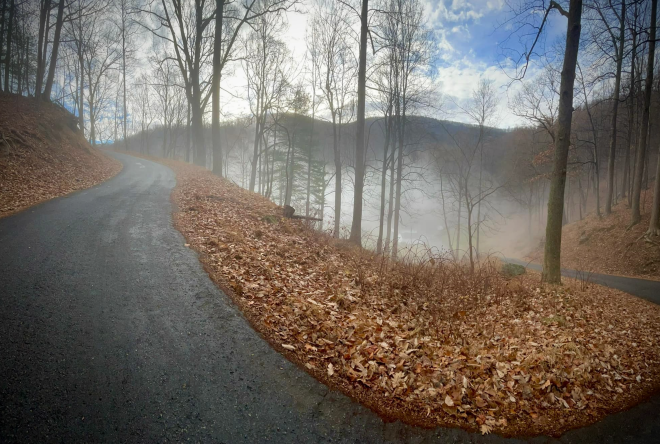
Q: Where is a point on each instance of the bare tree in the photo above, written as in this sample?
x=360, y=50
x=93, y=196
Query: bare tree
x=552, y=254
x=640, y=156
x=465, y=161
x=356, y=227
x=101, y=57
x=267, y=71
x=406, y=32
x=335, y=71
x=616, y=35
x=229, y=20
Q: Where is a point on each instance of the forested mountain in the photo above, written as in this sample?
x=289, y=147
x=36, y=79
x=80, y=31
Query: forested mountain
x=152, y=84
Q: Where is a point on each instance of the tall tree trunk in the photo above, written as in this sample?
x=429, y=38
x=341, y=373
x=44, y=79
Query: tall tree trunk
x=640, y=155
x=356, y=227
x=289, y=170
x=309, y=155
x=188, y=134
x=399, y=178
x=81, y=74
x=654, y=224
x=390, y=201
x=27, y=66
x=56, y=47
x=383, y=182
x=445, y=219
x=123, y=72
x=255, y=150
x=552, y=254
x=337, y=157
x=481, y=167
x=10, y=32
x=322, y=205
x=2, y=28
x=215, y=100
x=469, y=209
x=625, y=185
x=615, y=110
x=41, y=46
x=458, y=221
x=627, y=178
x=199, y=149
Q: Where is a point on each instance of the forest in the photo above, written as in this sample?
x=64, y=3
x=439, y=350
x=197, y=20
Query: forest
x=217, y=84
x=248, y=220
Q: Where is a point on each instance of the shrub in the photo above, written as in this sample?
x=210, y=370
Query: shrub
x=511, y=270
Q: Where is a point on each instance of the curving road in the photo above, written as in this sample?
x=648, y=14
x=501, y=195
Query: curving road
x=642, y=288
x=110, y=331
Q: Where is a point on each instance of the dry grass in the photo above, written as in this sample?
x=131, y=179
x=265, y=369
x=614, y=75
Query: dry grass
x=43, y=156
x=423, y=341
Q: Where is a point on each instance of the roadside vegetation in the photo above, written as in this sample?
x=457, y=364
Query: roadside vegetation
x=422, y=339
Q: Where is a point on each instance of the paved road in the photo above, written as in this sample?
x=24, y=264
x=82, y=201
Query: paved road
x=110, y=331
x=643, y=288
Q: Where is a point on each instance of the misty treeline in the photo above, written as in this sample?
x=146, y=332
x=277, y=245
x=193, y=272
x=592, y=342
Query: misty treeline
x=215, y=82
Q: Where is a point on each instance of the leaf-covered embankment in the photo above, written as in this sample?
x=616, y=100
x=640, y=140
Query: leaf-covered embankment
x=43, y=155
x=609, y=245
x=424, y=342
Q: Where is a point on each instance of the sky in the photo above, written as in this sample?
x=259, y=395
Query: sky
x=474, y=41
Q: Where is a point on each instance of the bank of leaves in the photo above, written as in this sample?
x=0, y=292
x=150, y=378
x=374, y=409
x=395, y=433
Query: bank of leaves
x=43, y=155
x=424, y=341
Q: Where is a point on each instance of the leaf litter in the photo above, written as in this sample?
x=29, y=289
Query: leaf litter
x=43, y=155
x=423, y=341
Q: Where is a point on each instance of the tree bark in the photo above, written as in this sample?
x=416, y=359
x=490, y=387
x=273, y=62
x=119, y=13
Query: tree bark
x=383, y=183
x=81, y=74
x=41, y=46
x=123, y=71
x=10, y=31
x=356, y=227
x=2, y=27
x=654, y=224
x=640, y=155
x=188, y=134
x=552, y=254
x=310, y=153
x=215, y=100
x=337, y=158
x=615, y=110
x=399, y=178
x=255, y=150
x=390, y=200
x=53, y=56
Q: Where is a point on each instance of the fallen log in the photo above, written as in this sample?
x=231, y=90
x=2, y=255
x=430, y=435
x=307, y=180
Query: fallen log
x=289, y=211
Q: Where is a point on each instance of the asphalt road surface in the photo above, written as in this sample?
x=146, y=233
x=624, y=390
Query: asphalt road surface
x=110, y=331
x=643, y=288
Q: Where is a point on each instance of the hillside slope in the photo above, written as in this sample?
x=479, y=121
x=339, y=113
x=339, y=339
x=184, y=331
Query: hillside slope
x=426, y=342
x=43, y=155
x=606, y=245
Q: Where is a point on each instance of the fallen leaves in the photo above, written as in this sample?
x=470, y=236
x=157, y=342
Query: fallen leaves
x=41, y=157
x=584, y=243
x=427, y=342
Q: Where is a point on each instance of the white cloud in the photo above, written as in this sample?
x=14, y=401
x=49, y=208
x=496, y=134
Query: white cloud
x=445, y=12
x=457, y=79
